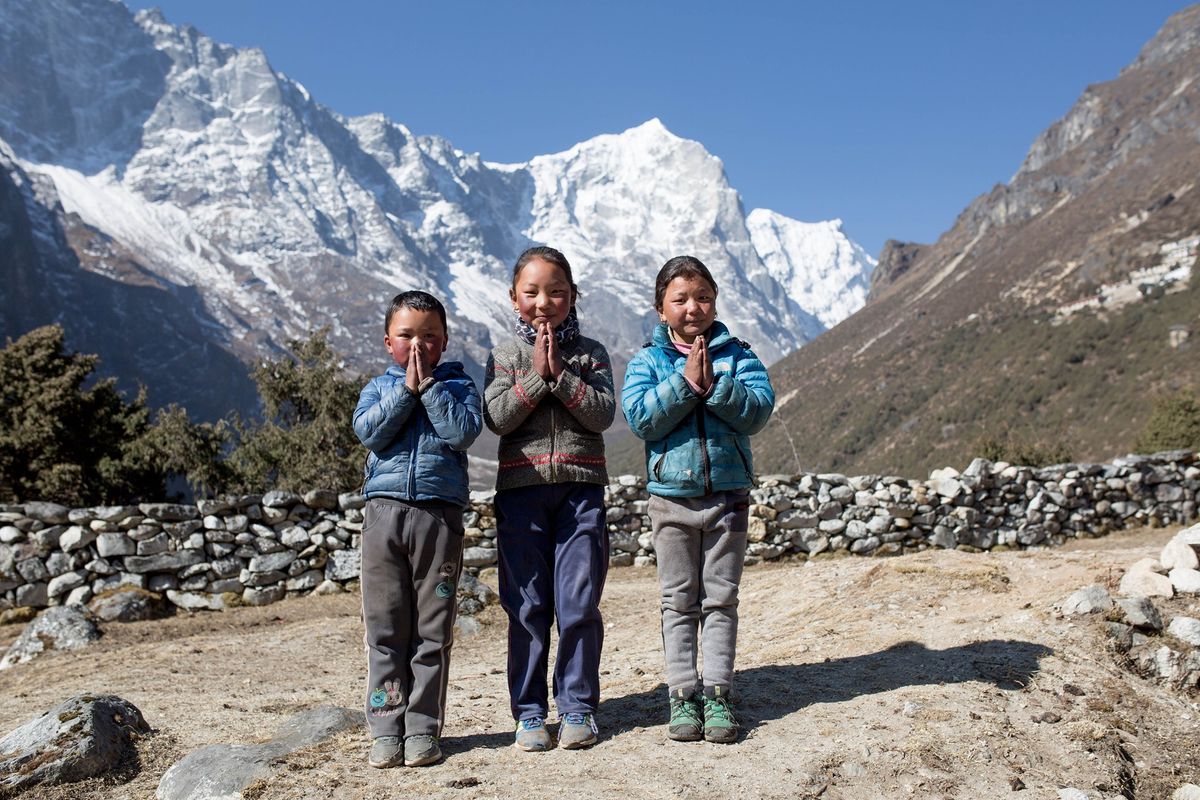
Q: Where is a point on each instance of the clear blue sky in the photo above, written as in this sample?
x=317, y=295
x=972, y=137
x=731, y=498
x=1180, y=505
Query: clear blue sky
x=890, y=115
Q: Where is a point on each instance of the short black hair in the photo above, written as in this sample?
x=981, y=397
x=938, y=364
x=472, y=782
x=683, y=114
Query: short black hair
x=417, y=301
x=680, y=266
x=550, y=256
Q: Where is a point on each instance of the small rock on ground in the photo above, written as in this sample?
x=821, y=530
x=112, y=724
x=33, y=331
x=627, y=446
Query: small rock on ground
x=223, y=770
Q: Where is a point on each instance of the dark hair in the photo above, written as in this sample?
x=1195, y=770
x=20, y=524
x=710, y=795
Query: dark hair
x=417, y=301
x=550, y=256
x=680, y=266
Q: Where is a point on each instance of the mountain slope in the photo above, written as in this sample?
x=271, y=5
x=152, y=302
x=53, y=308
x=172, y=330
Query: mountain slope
x=207, y=169
x=974, y=335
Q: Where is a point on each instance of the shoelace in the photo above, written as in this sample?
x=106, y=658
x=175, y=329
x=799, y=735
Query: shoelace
x=717, y=708
x=689, y=710
x=532, y=724
x=579, y=718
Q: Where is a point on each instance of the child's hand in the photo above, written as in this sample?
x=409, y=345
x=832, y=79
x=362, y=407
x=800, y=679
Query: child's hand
x=541, y=358
x=415, y=371
x=553, y=355
x=693, y=368
x=706, y=365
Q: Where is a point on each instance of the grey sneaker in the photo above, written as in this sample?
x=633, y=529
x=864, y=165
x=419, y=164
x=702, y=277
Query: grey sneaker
x=532, y=735
x=577, y=730
x=420, y=750
x=386, y=751
x=687, y=718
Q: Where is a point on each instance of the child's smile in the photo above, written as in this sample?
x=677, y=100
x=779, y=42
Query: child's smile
x=542, y=294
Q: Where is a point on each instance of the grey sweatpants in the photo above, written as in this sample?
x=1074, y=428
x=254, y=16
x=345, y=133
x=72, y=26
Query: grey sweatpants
x=700, y=544
x=411, y=558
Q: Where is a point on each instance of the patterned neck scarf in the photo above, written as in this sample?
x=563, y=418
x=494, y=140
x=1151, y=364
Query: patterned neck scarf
x=566, y=333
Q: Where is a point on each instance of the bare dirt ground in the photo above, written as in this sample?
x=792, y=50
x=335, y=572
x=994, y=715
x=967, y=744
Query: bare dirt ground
x=937, y=675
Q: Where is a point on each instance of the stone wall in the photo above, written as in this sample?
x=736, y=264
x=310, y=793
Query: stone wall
x=258, y=549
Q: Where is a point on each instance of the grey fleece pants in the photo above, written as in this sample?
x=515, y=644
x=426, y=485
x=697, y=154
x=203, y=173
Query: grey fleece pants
x=700, y=544
x=411, y=558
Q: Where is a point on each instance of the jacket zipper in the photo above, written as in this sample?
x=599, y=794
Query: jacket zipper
x=704, y=450
x=553, y=476
x=412, y=459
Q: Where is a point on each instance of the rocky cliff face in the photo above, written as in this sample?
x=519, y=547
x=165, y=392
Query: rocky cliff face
x=966, y=337
x=204, y=170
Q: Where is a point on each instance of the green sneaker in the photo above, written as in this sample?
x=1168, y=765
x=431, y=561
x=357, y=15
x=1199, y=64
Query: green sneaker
x=532, y=735
x=719, y=723
x=686, y=718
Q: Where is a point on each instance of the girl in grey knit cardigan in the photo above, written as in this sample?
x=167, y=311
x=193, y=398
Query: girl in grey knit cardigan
x=549, y=395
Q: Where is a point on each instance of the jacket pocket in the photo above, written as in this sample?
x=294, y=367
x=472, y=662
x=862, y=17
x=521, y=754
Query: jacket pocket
x=656, y=466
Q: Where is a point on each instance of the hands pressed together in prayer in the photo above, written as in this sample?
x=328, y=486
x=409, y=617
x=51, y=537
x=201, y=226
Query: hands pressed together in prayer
x=698, y=368
x=418, y=368
x=547, y=359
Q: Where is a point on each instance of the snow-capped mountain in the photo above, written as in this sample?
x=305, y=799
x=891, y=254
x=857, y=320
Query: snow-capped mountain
x=818, y=265
x=196, y=165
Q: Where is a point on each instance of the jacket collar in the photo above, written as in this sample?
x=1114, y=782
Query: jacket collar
x=717, y=336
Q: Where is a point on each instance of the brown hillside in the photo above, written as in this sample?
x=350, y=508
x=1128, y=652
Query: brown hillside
x=959, y=338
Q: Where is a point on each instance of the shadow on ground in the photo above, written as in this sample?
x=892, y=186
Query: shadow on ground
x=774, y=691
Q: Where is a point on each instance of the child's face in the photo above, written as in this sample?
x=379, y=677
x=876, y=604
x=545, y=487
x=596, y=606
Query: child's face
x=689, y=307
x=411, y=328
x=541, y=294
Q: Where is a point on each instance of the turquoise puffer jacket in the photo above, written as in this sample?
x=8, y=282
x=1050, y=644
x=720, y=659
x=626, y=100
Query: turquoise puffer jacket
x=418, y=443
x=697, y=445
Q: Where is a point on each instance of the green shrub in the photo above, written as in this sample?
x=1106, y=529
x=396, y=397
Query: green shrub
x=305, y=439
x=1174, y=424
x=61, y=441
x=1023, y=451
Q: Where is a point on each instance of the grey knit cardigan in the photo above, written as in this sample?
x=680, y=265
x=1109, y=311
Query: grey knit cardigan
x=549, y=432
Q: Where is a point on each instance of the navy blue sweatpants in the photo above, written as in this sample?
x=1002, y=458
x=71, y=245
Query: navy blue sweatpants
x=553, y=560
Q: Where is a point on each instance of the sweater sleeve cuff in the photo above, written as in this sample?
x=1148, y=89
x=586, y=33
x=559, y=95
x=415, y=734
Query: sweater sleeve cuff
x=531, y=389
x=569, y=388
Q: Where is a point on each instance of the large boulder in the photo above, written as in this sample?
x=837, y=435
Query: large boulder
x=128, y=604
x=85, y=736
x=223, y=770
x=58, y=628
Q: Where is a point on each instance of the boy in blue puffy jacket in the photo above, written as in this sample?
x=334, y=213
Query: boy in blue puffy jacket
x=696, y=394
x=417, y=420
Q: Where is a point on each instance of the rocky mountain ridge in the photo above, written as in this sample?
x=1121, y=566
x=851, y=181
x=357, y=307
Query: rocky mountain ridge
x=201, y=169
x=960, y=339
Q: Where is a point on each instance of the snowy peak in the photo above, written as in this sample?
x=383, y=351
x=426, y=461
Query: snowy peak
x=822, y=268
x=215, y=173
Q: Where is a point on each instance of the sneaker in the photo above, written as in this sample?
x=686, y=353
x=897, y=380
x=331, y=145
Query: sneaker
x=719, y=723
x=577, y=730
x=386, y=751
x=420, y=750
x=687, y=718
x=532, y=735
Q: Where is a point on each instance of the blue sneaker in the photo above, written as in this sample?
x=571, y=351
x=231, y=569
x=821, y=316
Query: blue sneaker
x=577, y=730
x=532, y=735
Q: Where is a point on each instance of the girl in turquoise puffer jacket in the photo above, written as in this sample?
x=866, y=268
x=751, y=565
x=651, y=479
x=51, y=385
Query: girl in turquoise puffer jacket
x=695, y=394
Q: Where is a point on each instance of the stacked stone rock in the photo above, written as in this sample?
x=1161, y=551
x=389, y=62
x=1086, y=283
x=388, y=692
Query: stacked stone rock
x=258, y=549
x=1135, y=623
x=254, y=549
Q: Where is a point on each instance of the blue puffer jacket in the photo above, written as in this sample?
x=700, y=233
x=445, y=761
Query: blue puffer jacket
x=418, y=442
x=694, y=445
